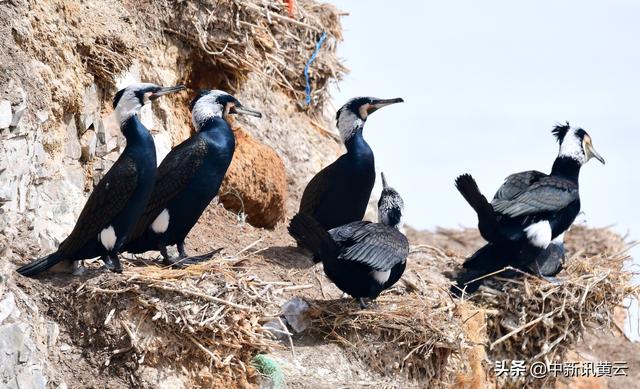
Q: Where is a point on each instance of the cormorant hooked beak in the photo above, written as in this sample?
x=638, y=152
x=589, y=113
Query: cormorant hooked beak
x=241, y=110
x=377, y=104
x=590, y=151
x=384, y=181
x=165, y=91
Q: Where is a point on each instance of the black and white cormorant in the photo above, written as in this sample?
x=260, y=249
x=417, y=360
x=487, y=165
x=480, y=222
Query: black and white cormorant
x=525, y=222
x=118, y=200
x=361, y=258
x=340, y=192
x=189, y=177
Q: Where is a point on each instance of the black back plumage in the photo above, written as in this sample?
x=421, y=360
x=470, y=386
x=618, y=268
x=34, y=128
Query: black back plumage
x=340, y=192
x=174, y=174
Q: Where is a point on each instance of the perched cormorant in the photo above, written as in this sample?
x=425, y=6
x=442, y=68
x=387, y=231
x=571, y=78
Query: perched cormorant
x=120, y=197
x=361, y=258
x=189, y=177
x=525, y=222
x=340, y=192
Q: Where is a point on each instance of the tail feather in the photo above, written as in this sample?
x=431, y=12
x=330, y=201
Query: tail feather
x=310, y=235
x=487, y=223
x=468, y=188
x=40, y=265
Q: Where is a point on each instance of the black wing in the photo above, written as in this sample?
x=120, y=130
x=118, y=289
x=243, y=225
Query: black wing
x=173, y=176
x=108, y=198
x=547, y=194
x=316, y=188
x=516, y=184
x=377, y=245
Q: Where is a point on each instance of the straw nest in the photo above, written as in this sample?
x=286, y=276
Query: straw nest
x=209, y=319
x=243, y=36
x=408, y=335
x=204, y=320
x=535, y=320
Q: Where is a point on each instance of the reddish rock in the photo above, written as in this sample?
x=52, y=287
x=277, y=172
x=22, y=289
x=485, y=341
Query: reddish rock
x=256, y=182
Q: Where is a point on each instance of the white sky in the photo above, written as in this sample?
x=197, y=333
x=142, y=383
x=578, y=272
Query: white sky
x=484, y=83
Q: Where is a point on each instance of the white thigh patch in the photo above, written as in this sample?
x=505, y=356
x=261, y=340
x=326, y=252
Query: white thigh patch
x=539, y=234
x=108, y=238
x=161, y=223
x=380, y=276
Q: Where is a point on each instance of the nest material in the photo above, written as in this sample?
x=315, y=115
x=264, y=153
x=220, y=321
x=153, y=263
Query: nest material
x=203, y=320
x=411, y=335
x=242, y=36
x=208, y=317
x=533, y=319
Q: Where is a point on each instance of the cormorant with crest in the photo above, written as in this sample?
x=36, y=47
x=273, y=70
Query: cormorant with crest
x=340, y=192
x=118, y=200
x=188, y=178
x=361, y=258
x=525, y=222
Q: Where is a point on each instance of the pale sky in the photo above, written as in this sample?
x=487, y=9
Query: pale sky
x=484, y=83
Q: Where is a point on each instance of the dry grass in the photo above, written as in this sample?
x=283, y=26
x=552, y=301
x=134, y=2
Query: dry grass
x=409, y=334
x=208, y=319
x=243, y=36
x=205, y=320
x=534, y=319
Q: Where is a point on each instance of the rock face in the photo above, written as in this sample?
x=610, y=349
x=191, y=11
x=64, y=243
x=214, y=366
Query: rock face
x=60, y=64
x=255, y=183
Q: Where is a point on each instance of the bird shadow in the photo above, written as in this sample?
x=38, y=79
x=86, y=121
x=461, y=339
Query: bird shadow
x=289, y=257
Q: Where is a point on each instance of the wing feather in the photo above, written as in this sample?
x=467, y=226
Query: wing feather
x=377, y=245
x=174, y=174
x=108, y=198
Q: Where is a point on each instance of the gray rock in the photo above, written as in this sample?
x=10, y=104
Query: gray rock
x=294, y=311
x=42, y=116
x=88, y=143
x=6, y=116
x=7, y=307
x=90, y=108
x=72, y=148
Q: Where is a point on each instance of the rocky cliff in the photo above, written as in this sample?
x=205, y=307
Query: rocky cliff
x=61, y=61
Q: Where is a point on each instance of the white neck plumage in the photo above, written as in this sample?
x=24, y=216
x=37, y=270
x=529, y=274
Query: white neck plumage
x=203, y=111
x=348, y=124
x=571, y=147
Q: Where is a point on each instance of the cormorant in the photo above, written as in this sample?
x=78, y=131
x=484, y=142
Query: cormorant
x=119, y=198
x=525, y=222
x=361, y=258
x=340, y=192
x=188, y=178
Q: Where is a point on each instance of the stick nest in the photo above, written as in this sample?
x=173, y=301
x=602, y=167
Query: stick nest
x=203, y=320
x=243, y=36
x=403, y=334
x=534, y=319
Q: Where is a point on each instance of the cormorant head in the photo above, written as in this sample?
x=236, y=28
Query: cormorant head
x=128, y=101
x=390, y=206
x=575, y=143
x=216, y=103
x=352, y=115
